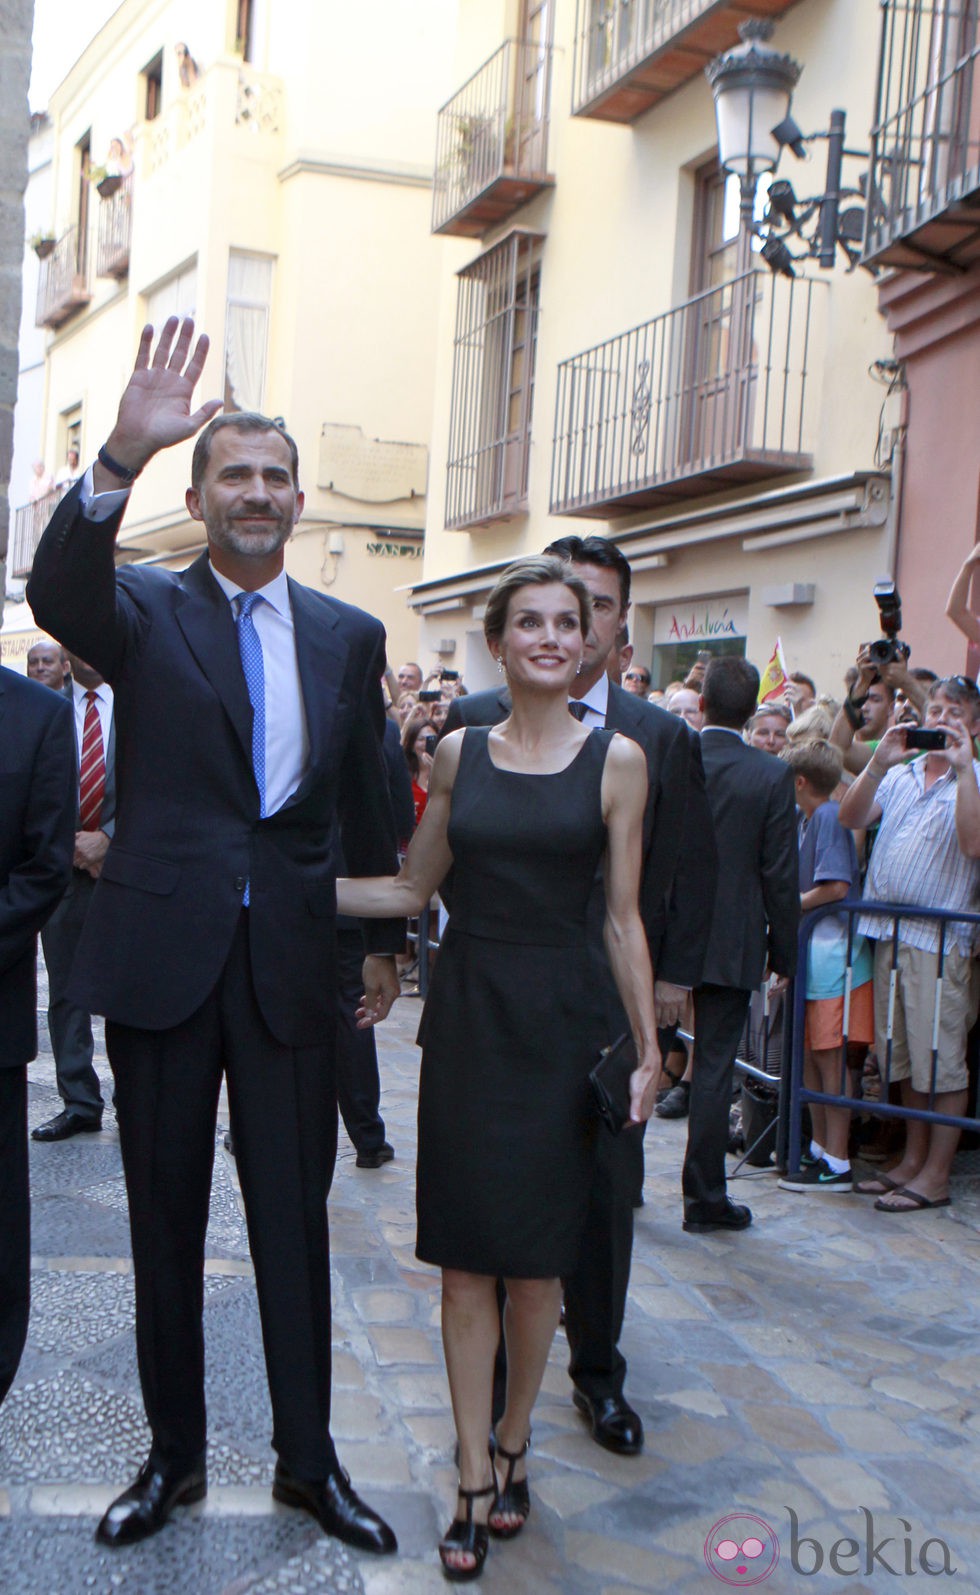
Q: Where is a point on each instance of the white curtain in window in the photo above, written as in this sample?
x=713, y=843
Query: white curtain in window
x=175, y=296
x=247, y=327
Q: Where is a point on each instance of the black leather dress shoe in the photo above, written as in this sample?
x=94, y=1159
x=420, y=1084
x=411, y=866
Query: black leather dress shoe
x=614, y=1423
x=144, y=1508
x=732, y=1216
x=64, y=1125
x=374, y=1159
x=337, y=1508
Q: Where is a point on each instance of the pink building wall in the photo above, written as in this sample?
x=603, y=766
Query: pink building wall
x=936, y=323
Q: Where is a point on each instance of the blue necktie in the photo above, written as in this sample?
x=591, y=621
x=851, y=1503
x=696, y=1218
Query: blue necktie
x=250, y=648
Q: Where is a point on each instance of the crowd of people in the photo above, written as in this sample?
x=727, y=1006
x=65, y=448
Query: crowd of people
x=623, y=869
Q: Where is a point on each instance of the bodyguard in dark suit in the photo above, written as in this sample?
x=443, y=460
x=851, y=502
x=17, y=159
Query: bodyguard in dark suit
x=70, y=1026
x=248, y=715
x=753, y=925
x=37, y=831
x=677, y=887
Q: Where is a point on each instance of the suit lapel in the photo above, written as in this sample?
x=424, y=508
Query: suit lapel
x=321, y=653
x=205, y=618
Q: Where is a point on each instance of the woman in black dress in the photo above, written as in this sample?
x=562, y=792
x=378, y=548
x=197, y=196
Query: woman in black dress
x=525, y=813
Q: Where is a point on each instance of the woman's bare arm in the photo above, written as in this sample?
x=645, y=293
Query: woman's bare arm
x=428, y=859
x=624, y=795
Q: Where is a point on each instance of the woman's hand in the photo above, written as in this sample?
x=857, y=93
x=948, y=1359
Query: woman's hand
x=644, y=1084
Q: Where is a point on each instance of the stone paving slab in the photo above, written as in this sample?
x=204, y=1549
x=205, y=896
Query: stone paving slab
x=824, y=1360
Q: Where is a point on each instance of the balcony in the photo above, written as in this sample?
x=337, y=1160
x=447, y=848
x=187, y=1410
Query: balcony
x=631, y=53
x=923, y=208
x=711, y=395
x=62, y=288
x=492, y=142
x=25, y=534
x=115, y=231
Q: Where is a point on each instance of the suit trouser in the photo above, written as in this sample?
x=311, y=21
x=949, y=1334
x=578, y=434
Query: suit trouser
x=70, y=1027
x=358, y=1081
x=284, y=1123
x=595, y=1294
x=15, y=1224
x=720, y=1013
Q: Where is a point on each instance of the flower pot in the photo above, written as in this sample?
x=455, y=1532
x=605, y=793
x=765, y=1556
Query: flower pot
x=44, y=247
x=109, y=185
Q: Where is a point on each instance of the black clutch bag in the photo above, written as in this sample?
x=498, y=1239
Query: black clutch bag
x=610, y=1082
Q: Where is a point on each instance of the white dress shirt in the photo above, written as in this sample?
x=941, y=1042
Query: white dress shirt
x=287, y=743
x=596, y=702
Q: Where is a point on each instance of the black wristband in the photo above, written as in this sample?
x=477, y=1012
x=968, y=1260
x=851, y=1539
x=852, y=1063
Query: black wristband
x=114, y=468
x=853, y=712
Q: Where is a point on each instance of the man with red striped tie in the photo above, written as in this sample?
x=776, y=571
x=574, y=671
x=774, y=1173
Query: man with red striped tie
x=70, y=1027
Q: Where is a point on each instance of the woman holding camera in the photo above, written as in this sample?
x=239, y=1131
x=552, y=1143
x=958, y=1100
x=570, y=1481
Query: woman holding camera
x=525, y=812
x=419, y=738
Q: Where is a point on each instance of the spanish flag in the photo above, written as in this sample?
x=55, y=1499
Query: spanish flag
x=775, y=675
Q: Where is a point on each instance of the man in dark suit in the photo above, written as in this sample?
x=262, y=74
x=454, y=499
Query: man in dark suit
x=248, y=715
x=37, y=830
x=753, y=926
x=676, y=885
x=69, y=1026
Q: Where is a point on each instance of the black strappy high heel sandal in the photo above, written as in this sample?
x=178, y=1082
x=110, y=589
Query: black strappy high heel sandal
x=464, y=1535
x=514, y=1499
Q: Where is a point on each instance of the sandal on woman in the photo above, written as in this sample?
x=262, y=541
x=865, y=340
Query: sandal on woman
x=514, y=1499
x=463, y=1535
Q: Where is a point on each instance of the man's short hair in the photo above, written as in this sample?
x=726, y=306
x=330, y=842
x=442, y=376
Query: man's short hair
x=959, y=689
x=819, y=762
x=730, y=691
x=242, y=421
x=920, y=673
x=596, y=551
x=803, y=681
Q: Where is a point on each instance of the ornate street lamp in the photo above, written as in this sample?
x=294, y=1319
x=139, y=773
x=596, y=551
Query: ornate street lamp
x=753, y=86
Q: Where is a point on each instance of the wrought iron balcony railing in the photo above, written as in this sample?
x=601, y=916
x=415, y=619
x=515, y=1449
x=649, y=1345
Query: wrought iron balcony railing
x=924, y=190
x=115, y=231
x=631, y=53
x=25, y=533
x=712, y=394
x=62, y=287
x=492, y=141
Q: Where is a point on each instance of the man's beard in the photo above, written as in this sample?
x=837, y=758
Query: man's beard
x=228, y=534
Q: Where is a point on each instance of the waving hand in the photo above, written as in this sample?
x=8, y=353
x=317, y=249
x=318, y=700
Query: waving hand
x=155, y=409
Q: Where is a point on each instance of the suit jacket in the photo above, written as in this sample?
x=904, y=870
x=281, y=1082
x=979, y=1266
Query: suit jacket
x=188, y=834
x=757, y=905
x=38, y=796
x=678, y=879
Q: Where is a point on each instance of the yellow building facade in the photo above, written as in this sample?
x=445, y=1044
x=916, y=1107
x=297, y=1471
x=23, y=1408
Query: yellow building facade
x=613, y=357
x=267, y=169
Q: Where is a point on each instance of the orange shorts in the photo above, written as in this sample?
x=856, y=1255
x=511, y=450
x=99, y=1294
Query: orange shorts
x=825, y=1020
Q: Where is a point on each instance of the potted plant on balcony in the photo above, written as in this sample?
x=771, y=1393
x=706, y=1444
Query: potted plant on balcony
x=43, y=244
x=107, y=183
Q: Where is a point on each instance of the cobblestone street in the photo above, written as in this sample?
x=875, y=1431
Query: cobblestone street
x=822, y=1362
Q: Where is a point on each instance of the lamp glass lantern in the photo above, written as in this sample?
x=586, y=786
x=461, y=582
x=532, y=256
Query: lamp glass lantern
x=752, y=87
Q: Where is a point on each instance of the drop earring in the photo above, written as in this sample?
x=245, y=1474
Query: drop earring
x=500, y=666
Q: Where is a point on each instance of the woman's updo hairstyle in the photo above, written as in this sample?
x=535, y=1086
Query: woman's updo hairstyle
x=537, y=570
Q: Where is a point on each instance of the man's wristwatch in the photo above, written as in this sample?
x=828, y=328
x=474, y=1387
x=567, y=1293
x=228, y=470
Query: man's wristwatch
x=114, y=468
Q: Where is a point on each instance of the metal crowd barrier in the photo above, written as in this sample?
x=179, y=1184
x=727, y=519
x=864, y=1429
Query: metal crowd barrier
x=798, y=1093
x=423, y=936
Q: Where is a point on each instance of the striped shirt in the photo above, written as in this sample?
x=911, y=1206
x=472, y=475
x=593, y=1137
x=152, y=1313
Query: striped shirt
x=917, y=859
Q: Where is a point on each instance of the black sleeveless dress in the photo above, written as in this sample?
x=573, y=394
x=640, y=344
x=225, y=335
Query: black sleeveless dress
x=512, y=1025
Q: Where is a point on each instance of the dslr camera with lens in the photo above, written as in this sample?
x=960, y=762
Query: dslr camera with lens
x=888, y=649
